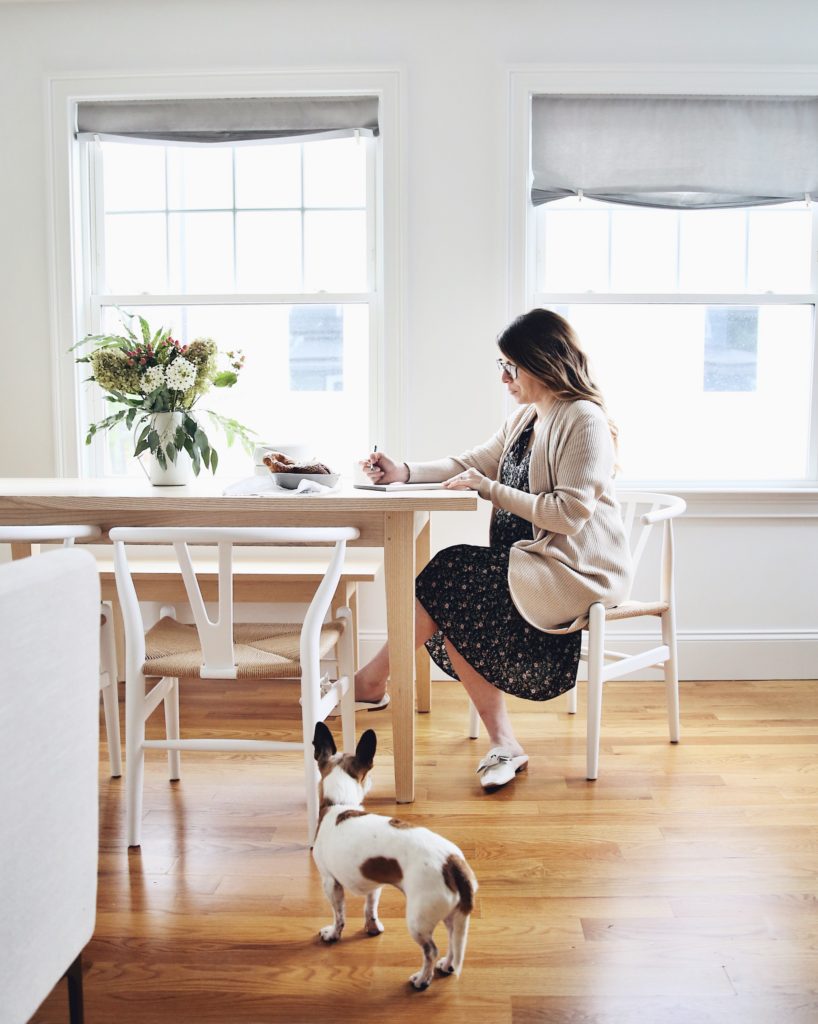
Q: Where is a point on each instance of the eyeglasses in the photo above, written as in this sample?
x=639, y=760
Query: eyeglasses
x=505, y=367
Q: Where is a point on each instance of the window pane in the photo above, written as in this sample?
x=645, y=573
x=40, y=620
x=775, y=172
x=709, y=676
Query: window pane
x=268, y=252
x=201, y=252
x=712, y=251
x=779, y=250
x=335, y=173
x=268, y=176
x=200, y=177
x=335, y=251
x=765, y=249
x=731, y=348
x=644, y=246
x=134, y=176
x=651, y=364
x=575, y=251
x=316, y=348
x=135, y=253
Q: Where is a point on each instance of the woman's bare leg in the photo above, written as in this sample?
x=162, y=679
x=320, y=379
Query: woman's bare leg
x=370, y=679
x=489, y=701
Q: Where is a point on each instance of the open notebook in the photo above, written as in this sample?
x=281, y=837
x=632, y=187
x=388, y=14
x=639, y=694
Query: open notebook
x=398, y=487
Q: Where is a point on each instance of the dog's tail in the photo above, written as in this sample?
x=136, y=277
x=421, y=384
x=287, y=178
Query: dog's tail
x=460, y=878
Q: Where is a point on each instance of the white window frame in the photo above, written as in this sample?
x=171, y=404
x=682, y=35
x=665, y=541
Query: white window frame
x=778, y=498
x=73, y=314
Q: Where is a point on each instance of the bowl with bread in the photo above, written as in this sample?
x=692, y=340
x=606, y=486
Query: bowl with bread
x=288, y=472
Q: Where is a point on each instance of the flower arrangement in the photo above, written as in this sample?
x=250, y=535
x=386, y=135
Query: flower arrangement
x=147, y=374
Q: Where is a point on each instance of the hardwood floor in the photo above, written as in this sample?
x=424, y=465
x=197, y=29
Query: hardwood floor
x=680, y=888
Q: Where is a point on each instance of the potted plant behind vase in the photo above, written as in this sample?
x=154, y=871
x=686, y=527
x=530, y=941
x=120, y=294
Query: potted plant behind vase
x=156, y=381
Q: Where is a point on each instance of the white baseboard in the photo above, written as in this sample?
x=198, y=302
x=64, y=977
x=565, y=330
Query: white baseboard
x=750, y=654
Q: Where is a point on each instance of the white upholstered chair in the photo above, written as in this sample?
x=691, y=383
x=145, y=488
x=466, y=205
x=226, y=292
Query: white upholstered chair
x=49, y=767
x=221, y=649
x=66, y=535
x=641, y=510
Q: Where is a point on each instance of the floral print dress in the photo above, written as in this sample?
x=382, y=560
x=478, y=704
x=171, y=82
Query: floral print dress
x=465, y=590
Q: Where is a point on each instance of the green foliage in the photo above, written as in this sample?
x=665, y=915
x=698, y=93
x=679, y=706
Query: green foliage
x=149, y=373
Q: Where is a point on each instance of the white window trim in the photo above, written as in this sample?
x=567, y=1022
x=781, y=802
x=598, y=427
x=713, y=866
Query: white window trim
x=785, y=499
x=68, y=305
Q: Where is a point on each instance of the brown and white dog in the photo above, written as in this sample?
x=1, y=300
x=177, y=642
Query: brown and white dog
x=362, y=852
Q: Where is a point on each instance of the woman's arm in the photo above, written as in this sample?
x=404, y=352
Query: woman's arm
x=583, y=469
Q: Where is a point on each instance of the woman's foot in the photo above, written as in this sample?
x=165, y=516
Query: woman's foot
x=500, y=765
x=368, y=687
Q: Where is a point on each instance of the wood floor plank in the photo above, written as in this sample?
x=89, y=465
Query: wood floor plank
x=681, y=887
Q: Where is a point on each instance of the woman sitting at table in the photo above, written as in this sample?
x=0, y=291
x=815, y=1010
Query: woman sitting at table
x=508, y=617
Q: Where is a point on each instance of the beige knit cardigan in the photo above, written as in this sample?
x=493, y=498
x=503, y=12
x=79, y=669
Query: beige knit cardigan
x=578, y=553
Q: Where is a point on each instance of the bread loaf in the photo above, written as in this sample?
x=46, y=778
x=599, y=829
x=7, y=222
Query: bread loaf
x=276, y=462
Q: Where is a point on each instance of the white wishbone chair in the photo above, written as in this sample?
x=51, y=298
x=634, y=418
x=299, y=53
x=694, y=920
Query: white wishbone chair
x=222, y=649
x=66, y=535
x=641, y=510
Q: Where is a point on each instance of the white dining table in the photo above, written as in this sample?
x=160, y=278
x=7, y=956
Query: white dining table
x=398, y=522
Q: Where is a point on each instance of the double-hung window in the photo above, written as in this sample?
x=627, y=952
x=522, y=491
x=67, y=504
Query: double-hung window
x=678, y=236
x=263, y=241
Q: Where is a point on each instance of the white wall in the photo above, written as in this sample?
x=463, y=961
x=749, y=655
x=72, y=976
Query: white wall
x=453, y=56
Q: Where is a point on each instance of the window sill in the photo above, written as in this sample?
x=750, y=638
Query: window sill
x=740, y=501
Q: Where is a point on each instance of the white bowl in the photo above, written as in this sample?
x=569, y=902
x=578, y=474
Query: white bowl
x=292, y=480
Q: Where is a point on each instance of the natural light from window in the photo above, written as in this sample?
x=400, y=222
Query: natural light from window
x=700, y=327
x=265, y=248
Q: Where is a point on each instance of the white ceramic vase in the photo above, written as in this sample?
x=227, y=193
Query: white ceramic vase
x=177, y=473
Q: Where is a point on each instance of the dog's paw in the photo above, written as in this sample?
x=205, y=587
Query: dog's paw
x=329, y=934
x=420, y=981
x=445, y=966
x=374, y=927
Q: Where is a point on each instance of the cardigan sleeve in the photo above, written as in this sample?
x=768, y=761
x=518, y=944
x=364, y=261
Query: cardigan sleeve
x=582, y=469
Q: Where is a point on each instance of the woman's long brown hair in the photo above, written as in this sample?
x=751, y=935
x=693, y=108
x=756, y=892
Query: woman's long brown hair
x=545, y=345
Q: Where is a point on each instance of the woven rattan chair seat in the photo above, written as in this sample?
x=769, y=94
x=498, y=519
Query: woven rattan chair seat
x=633, y=609
x=262, y=650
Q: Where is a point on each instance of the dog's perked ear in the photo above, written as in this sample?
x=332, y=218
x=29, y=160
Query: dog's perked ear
x=365, y=751
x=323, y=743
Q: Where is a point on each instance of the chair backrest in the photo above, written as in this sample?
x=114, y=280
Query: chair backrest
x=641, y=510
x=47, y=534
x=49, y=763
x=216, y=636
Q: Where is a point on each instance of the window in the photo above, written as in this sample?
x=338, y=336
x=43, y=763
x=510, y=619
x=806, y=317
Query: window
x=266, y=247
x=675, y=230
x=700, y=325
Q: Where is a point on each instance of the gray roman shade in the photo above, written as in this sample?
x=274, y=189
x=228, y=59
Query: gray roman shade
x=697, y=152
x=228, y=120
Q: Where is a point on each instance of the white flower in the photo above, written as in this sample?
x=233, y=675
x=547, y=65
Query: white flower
x=154, y=378
x=180, y=375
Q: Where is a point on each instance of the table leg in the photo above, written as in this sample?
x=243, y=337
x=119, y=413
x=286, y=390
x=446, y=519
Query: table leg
x=399, y=552
x=423, y=679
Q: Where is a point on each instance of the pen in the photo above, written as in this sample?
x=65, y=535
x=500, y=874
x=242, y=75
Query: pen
x=374, y=449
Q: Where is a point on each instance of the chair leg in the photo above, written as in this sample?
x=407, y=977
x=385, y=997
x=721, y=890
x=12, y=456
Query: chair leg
x=134, y=738
x=671, y=674
x=572, y=700
x=596, y=666
x=75, y=1002
x=346, y=667
x=474, y=722
x=171, y=703
x=310, y=778
x=110, y=692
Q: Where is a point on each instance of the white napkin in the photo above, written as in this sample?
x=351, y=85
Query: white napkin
x=265, y=486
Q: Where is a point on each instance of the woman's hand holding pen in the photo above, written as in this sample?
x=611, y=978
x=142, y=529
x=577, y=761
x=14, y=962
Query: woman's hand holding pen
x=382, y=470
